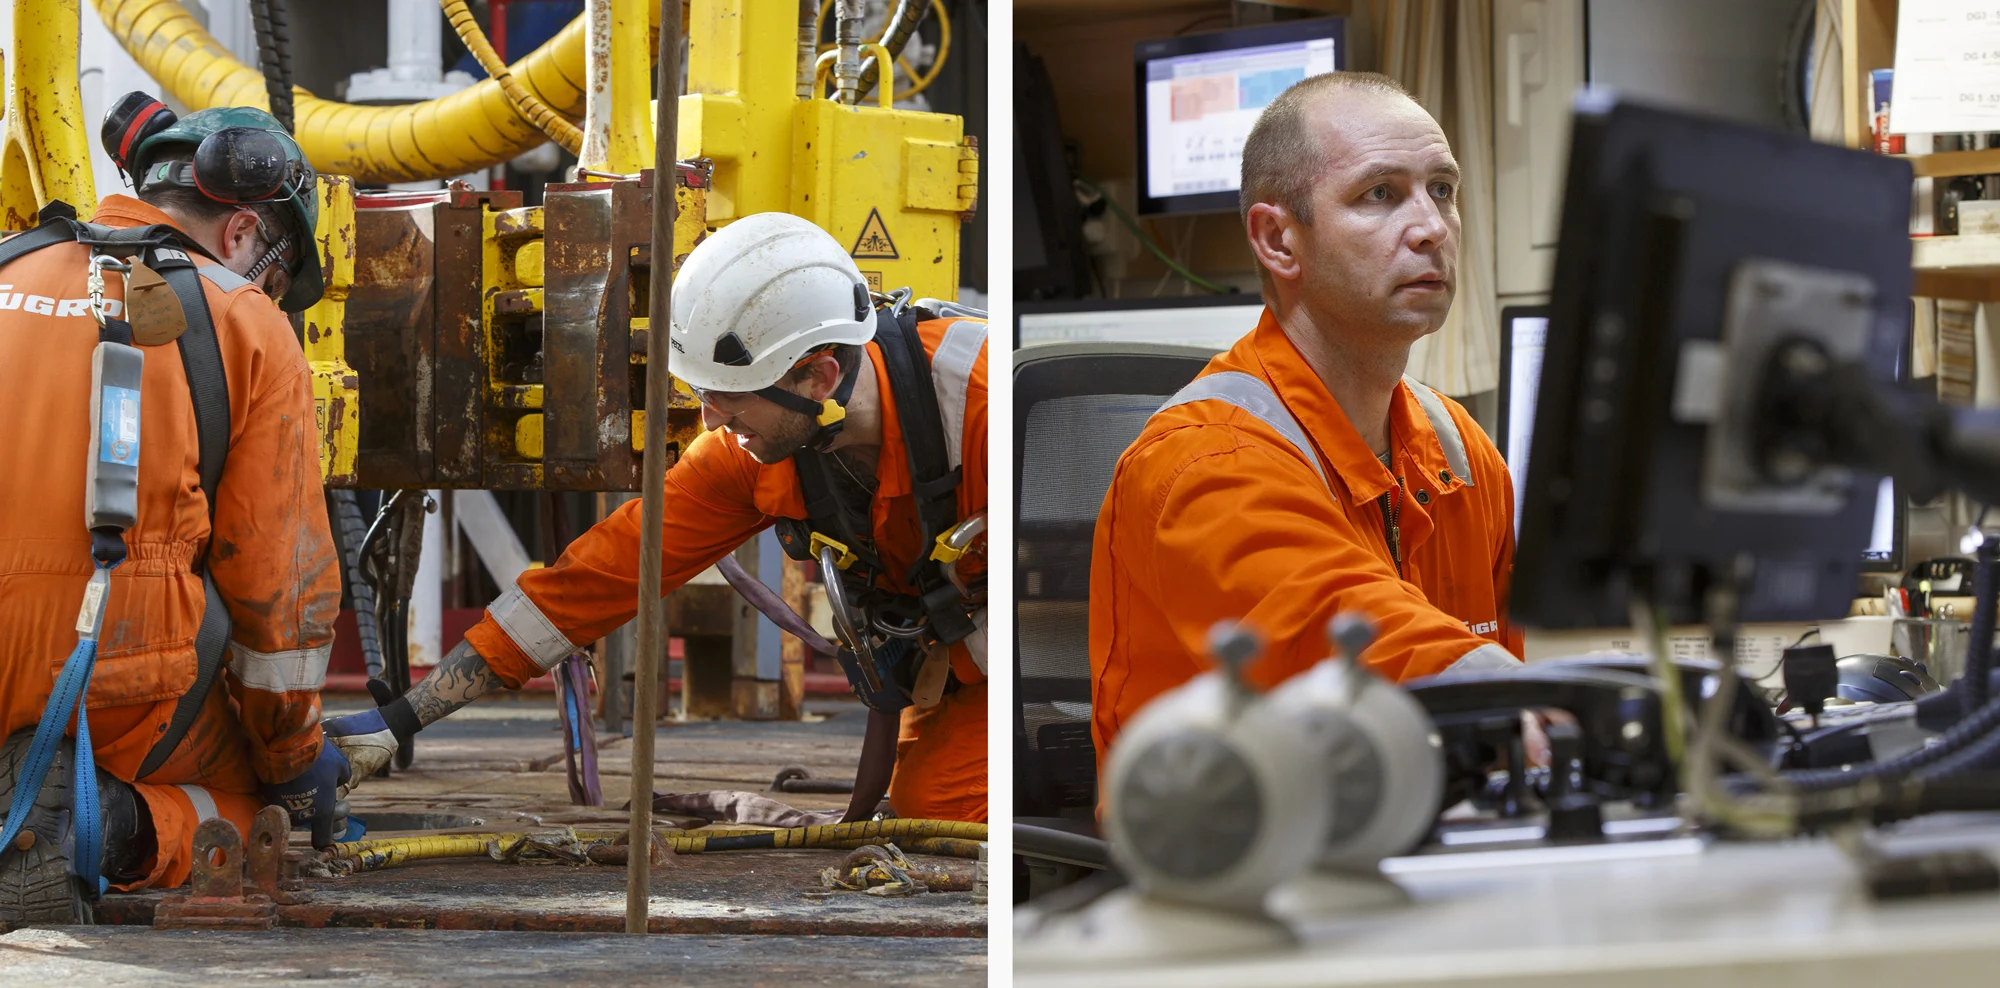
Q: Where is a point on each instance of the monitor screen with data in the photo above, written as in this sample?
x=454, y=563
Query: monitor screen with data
x=1524, y=334
x=1200, y=95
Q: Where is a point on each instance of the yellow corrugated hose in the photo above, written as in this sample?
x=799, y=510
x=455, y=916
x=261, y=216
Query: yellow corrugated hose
x=545, y=119
x=945, y=837
x=469, y=130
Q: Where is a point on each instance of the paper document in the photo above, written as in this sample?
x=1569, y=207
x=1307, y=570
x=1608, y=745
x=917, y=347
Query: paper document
x=1947, y=67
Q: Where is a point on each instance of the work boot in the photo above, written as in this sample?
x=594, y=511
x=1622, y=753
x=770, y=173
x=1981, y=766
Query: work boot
x=36, y=886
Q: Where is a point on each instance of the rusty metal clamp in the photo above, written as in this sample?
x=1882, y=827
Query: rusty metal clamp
x=217, y=900
x=270, y=862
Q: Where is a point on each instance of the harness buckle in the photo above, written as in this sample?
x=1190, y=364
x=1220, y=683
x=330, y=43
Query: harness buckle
x=843, y=556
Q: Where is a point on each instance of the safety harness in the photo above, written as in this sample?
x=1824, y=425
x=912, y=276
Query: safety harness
x=885, y=635
x=112, y=498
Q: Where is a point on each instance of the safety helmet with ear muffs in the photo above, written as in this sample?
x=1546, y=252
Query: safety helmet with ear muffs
x=759, y=296
x=234, y=155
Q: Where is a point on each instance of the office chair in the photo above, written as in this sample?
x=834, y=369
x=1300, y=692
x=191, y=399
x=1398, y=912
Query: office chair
x=1077, y=406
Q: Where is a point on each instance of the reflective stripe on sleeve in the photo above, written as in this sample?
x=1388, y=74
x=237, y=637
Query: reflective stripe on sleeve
x=280, y=672
x=530, y=629
x=1487, y=656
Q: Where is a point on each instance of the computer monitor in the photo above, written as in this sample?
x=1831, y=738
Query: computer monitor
x=1524, y=331
x=1215, y=322
x=1199, y=95
x=1692, y=250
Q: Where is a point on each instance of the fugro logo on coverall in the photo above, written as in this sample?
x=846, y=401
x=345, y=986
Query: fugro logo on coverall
x=42, y=305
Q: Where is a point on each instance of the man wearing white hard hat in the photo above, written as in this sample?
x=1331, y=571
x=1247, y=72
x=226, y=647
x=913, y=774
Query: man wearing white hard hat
x=855, y=424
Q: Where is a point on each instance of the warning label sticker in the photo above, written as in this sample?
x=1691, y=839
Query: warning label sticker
x=874, y=280
x=874, y=242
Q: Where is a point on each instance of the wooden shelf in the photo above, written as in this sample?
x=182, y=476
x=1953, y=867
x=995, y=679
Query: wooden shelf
x=1957, y=267
x=1944, y=164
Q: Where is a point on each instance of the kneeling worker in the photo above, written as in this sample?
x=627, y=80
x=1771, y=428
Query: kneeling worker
x=164, y=516
x=1302, y=474
x=861, y=434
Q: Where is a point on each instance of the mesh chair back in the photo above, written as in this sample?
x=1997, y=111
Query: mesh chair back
x=1077, y=406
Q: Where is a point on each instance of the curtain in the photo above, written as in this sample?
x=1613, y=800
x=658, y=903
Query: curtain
x=1441, y=51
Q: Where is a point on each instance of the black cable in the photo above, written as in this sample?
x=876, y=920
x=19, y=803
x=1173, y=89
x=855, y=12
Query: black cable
x=1966, y=744
x=1985, y=600
x=351, y=532
x=273, y=28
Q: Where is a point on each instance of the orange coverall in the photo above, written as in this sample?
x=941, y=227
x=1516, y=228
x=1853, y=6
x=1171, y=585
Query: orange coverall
x=272, y=556
x=717, y=498
x=1212, y=515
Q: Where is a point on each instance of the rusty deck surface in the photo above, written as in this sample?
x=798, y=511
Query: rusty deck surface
x=131, y=957
x=498, y=766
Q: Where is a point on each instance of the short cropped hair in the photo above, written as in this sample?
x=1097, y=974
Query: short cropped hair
x=1283, y=156
x=189, y=204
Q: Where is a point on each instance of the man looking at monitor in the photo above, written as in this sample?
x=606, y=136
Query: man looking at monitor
x=1302, y=474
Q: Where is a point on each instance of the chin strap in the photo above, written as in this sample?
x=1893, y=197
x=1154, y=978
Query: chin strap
x=830, y=413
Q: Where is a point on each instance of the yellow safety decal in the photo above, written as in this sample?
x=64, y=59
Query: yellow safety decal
x=845, y=557
x=874, y=241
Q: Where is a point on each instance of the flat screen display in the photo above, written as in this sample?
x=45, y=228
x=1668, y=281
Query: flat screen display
x=1524, y=335
x=1200, y=95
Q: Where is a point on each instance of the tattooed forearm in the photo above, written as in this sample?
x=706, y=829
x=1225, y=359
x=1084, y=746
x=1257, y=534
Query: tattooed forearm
x=460, y=679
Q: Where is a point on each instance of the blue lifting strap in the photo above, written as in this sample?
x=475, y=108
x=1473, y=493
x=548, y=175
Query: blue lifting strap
x=66, y=698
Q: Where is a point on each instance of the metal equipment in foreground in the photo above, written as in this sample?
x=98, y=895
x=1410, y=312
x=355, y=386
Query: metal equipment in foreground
x=468, y=341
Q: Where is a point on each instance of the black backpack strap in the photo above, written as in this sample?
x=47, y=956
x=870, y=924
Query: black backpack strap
x=829, y=518
x=933, y=480
x=201, y=359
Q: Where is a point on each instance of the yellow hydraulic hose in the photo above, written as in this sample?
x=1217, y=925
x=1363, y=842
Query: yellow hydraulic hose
x=547, y=120
x=469, y=130
x=942, y=837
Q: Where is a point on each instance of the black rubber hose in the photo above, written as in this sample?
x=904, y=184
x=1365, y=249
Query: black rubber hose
x=274, y=55
x=1985, y=601
x=351, y=531
x=908, y=16
x=1060, y=845
x=1967, y=743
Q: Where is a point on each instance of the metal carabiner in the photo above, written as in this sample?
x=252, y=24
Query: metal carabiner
x=913, y=630
x=956, y=543
x=851, y=638
x=95, y=283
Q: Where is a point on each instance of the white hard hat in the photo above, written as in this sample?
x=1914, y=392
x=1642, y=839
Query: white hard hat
x=755, y=297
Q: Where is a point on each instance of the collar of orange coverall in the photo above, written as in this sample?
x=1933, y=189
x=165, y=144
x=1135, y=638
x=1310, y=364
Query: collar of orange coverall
x=124, y=211
x=1418, y=454
x=778, y=492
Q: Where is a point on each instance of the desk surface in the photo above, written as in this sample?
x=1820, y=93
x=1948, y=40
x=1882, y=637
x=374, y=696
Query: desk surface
x=1668, y=913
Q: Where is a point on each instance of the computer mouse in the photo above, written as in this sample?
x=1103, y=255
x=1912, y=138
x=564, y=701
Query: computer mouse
x=1883, y=679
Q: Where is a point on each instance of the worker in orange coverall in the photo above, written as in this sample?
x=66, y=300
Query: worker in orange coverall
x=1302, y=474
x=860, y=433
x=238, y=567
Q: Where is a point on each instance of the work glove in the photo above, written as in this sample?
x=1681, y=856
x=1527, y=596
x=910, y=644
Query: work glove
x=370, y=738
x=310, y=797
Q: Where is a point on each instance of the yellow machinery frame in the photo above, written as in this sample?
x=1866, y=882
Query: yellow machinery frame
x=894, y=185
